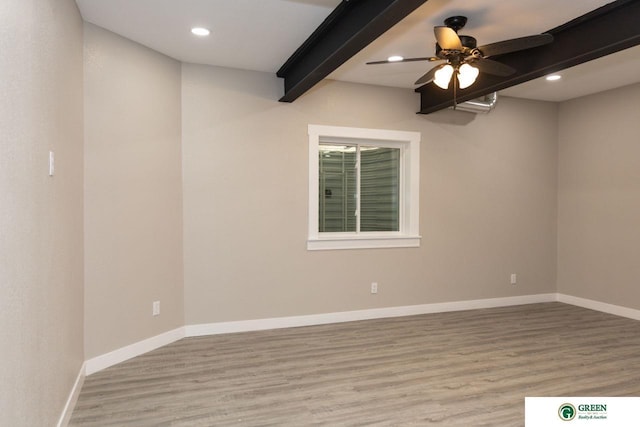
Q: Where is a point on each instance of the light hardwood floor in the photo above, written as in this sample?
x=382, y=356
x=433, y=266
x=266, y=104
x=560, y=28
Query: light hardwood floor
x=470, y=368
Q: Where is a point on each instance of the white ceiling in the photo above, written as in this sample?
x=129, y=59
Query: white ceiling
x=261, y=35
x=249, y=34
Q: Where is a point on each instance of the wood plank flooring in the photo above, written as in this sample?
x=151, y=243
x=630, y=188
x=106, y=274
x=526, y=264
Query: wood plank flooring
x=470, y=368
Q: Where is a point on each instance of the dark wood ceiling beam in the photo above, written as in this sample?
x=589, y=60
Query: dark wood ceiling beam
x=609, y=29
x=349, y=28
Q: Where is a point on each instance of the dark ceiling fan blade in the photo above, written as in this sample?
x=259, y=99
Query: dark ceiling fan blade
x=493, y=67
x=425, y=58
x=429, y=75
x=447, y=38
x=513, y=45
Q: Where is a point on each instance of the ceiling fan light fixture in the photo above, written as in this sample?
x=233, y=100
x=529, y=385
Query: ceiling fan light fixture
x=395, y=58
x=443, y=76
x=467, y=75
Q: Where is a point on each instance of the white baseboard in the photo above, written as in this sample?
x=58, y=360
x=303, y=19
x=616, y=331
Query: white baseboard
x=65, y=417
x=600, y=306
x=350, y=316
x=101, y=362
x=125, y=353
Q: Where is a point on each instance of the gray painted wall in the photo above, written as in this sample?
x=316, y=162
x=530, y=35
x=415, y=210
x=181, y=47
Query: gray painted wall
x=599, y=197
x=133, y=192
x=488, y=201
x=41, y=253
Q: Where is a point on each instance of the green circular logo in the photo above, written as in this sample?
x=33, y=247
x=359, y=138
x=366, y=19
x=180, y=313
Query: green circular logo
x=567, y=412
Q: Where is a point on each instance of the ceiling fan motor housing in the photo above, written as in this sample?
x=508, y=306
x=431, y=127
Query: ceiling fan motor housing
x=456, y=23
x=468, y=42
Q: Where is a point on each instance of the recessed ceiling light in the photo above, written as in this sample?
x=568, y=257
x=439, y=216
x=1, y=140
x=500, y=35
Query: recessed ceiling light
x=200, y=31
x=553, y=77
x=395, y=58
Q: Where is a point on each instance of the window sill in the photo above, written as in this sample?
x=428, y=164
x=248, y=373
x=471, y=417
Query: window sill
x=362, y=242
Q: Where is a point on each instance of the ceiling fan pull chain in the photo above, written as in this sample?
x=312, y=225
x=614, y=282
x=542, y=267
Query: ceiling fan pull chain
x=455, y=85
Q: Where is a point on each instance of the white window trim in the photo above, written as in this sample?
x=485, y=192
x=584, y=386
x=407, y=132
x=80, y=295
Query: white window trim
x=409, y=236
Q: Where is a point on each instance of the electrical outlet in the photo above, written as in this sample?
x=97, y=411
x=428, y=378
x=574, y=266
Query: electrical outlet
x=374, y=287
x=514, y=278
x=156, y=308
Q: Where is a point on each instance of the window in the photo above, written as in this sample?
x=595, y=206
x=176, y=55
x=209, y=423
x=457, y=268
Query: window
x=363, y=188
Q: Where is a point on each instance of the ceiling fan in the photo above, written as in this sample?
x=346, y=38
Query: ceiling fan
x=464, y=59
